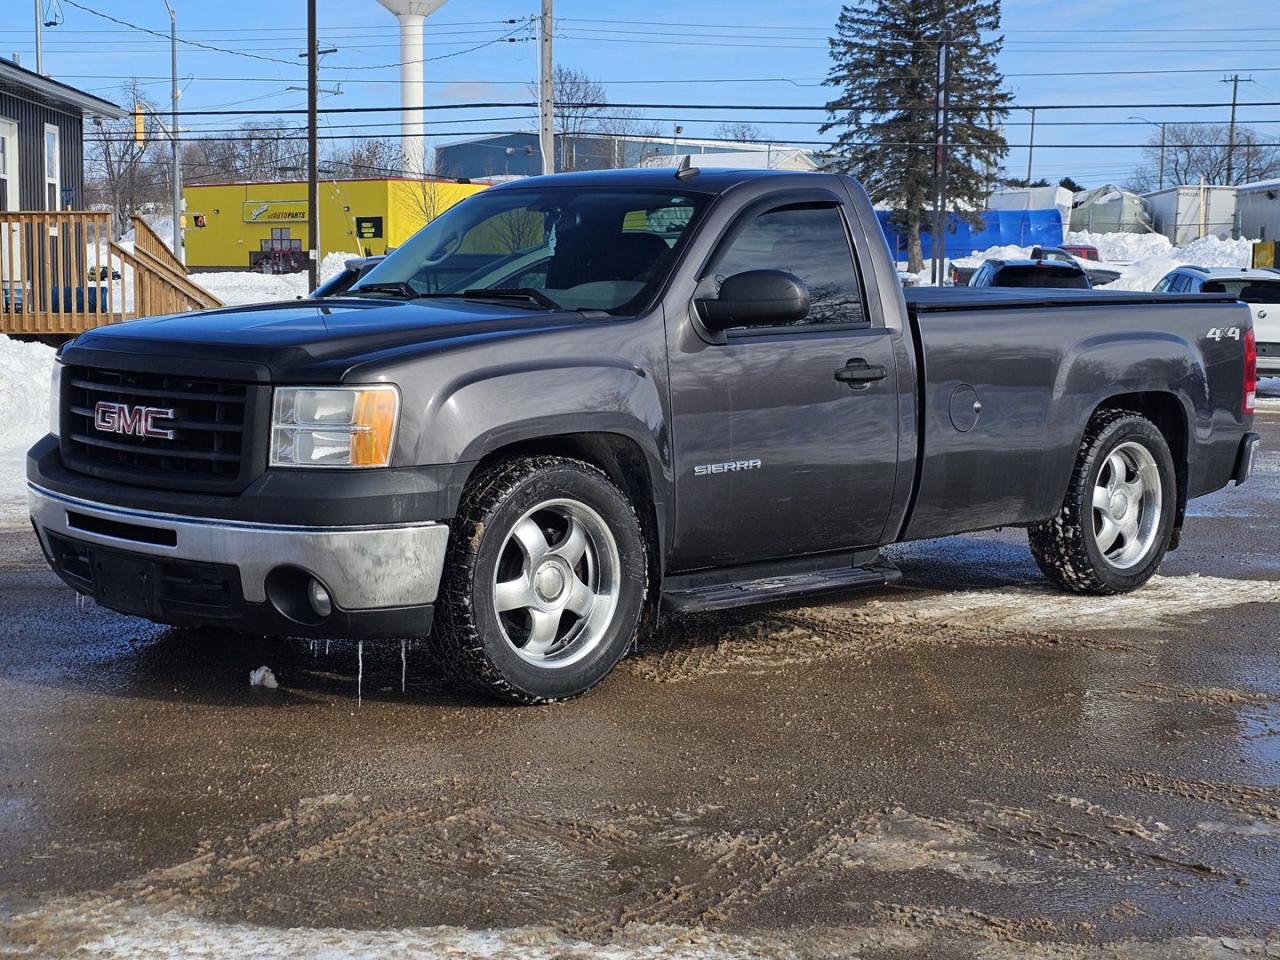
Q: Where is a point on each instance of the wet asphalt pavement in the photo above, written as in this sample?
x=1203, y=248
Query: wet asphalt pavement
x=967, y=765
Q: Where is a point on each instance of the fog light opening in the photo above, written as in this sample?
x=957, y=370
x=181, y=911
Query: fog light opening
x=299, y=595
x=319, y=599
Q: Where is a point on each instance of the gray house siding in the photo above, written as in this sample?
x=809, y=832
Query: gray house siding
x=31, y=117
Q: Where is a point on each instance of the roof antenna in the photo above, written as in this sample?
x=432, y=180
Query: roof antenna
x=684, y=171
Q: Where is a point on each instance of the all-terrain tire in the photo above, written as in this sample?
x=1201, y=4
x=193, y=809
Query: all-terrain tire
x=472, y=640
x=1066, y=547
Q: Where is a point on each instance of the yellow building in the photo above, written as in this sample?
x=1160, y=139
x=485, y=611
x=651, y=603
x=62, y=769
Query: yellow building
x=240, y=225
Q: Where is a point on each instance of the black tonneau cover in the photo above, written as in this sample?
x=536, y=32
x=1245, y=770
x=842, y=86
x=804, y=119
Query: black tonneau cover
x=941, y=299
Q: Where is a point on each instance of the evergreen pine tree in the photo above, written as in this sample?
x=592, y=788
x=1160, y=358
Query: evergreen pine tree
x=885, y=55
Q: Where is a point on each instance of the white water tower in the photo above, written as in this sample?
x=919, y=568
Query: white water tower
x=412, y=14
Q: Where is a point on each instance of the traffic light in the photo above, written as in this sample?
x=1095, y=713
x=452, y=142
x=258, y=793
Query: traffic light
x=139, y=124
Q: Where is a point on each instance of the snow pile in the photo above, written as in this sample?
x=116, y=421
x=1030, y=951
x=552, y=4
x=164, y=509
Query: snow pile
x=239, y=287
x=1123, y=247
x=1205, y=252
x=25, y=369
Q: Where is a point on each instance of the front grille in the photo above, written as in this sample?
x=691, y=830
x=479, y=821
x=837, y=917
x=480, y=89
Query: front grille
x=216, y=429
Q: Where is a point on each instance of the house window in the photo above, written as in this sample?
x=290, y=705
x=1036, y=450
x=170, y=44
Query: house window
x=52, y=168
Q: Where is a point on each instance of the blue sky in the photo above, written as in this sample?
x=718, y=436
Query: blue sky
x=771, y=52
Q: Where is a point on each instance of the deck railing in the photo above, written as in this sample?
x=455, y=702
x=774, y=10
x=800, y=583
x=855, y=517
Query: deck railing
x=62, y=273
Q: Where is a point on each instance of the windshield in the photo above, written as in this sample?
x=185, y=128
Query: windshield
x=1250, y=291
x=572, y=248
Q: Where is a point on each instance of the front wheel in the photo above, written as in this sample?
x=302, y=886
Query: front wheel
x=544, y=580
x=1117, y=518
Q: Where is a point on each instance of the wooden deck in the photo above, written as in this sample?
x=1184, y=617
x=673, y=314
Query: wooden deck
x=62, y=274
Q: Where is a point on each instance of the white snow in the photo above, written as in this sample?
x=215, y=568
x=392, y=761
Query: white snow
x=1162, y=602
x=239, y=287
x=25, y=369
x=106, y=930
x=263, y=677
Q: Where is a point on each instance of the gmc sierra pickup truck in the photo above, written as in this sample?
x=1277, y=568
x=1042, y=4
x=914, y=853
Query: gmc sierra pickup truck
x=570, y=402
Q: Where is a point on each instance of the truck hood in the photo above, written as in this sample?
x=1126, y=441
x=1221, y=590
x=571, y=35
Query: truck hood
x=315, y=340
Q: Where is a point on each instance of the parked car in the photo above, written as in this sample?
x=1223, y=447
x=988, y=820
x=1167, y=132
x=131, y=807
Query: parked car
x=1030, y=273
x=696, y=391
x=1258, y=287
x=1098, y=276
x=1082, y=250
x=340, y=283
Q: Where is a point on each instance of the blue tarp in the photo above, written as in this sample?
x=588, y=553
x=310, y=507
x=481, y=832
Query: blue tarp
x=1025, y=228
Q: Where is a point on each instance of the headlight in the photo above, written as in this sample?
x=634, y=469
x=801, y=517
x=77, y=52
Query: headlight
x=334, y=426
x=55, y=398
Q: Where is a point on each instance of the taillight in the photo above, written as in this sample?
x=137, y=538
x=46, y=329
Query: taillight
x=1250, y=370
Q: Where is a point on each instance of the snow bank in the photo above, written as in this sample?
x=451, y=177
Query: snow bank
x=25, y=369
x=238, y=287
x=1124, y=247
x=1205, y=252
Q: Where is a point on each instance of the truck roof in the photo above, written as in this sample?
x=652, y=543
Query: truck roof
x=707, y=180
x=1247, y=273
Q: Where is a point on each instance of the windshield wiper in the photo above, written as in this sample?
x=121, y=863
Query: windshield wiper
x=512, y=293
x=398, y=287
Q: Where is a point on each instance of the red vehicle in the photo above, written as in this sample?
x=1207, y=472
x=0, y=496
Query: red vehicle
x=1083, y=251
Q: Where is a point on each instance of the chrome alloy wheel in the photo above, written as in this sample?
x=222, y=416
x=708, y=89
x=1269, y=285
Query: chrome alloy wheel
x=557, y=583
x=1127, y=505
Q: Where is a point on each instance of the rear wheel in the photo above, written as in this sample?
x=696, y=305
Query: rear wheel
x=1117, y=518
x=544, y=581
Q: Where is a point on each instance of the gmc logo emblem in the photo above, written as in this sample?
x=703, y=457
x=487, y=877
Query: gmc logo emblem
x=137, y=421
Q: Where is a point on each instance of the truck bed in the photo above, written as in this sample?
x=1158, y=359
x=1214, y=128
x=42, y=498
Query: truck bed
x=1008, y=378
x=943, y=299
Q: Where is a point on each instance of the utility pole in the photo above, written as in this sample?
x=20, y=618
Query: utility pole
x=179, y=216
x=1031, y=145
x=39, y=39
x=1234, y=80
x=939, y=244
x=313, y=160
x=546, y=92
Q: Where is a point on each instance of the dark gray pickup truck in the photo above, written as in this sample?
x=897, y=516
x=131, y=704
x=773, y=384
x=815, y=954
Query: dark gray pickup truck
x=570, y=402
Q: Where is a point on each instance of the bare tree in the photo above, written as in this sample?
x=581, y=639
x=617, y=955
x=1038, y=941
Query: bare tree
x=742, y=131
x=378, y=157
x=258, y=151
x=120, y=172
x=1194, y=150
x=582, y=111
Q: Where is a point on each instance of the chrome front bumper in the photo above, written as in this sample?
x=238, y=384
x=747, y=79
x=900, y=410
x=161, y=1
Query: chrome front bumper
x=363, y=568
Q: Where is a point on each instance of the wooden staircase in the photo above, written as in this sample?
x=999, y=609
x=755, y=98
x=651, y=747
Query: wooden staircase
x=62, y=274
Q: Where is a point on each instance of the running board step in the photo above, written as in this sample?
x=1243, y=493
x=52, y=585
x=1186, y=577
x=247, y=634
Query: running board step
x=723, y=596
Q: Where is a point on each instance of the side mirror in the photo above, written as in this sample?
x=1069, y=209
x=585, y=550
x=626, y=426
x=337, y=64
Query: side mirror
x=756, y=298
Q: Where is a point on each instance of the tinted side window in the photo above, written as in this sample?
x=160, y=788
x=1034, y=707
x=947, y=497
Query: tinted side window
x=1163, y=285
x=809, y=242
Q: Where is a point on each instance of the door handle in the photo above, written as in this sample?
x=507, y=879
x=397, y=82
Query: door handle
x=859, y=374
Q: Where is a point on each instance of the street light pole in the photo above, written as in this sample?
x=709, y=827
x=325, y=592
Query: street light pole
x=1162, y=127
x=39, y=40
x=546, y=92
x=179, y=217
x=313, y=164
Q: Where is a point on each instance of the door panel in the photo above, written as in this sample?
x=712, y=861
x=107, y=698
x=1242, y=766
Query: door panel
x=775, y=457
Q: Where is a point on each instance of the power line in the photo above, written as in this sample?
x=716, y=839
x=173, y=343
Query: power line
x=750, y=107
x=190, y=43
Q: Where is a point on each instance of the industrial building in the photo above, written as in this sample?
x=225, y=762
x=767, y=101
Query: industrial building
x=1190, y=212
x=264, y=225
x=1258, y=210
x=517, y=154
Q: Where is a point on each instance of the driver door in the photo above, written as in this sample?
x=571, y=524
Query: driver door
x=776, y=457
